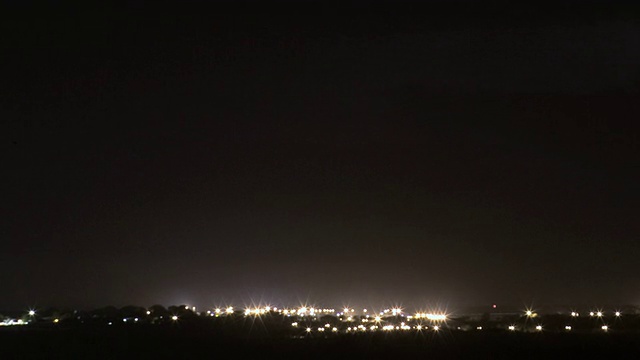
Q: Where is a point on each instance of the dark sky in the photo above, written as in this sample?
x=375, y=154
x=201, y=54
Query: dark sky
x=204, y=153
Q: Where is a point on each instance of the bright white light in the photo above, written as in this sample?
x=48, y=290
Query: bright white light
x=605, y=327
x=377, y=318
x=512, y=328
x=591, y=313
x=436, y=317
x=327, y=325
x=573, y=313
x=56, y=320
x=539, y=328
x=230, y=310
x=599, y=314
x=174, y=318
x=479, y=328
x=365, y=310
x=568, y=328
x=148, y=312
x=124, y=320
x=618, y=313
x=419, y=327
x=135, y=319
x=529, y=312
x=436, y=328
x=294, y=324
x=308, y=330
x=32, y=312
x=321, y=329
x=335, y=329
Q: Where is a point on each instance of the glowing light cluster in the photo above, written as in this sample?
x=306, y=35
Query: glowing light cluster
x=429, y=316
x=255, y=311
x=13, y=322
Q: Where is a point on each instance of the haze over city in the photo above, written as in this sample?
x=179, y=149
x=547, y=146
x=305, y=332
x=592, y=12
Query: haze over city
x=350, y=155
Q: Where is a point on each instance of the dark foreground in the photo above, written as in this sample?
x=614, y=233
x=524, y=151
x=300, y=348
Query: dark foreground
x=182, y=342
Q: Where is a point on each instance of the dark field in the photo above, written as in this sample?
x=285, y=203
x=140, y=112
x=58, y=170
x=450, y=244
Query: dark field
x=253, y=342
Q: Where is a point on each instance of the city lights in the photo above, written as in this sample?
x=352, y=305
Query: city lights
x=433, y=317
x=315, y=323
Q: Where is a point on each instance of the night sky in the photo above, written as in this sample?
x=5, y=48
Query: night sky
x=208, y=153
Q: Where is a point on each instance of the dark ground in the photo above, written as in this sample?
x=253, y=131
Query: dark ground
x=200, y=342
